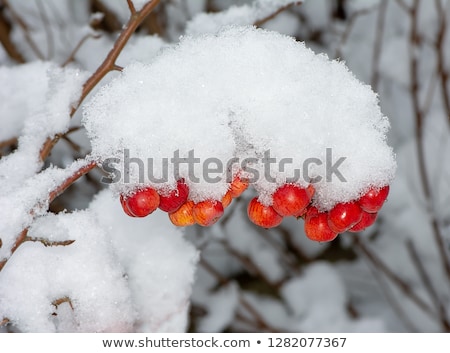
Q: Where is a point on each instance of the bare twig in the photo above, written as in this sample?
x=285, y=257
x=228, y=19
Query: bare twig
x=261, y=21
x=131, y=7
x=47, y=242
x=404, y=287
x=4, y=321
x=19, y=241
x=9, y=142
x=378, y=44
x=23, y=236
x=6, y=41
x=414, y=41
x=47, y=29
x=59, y=301
x=428, y=285
x=349, y=27
x=78, y=46
x=440, y=55
x=391, y=298
x=261, y=322
x=26, y=31
x=108, y=65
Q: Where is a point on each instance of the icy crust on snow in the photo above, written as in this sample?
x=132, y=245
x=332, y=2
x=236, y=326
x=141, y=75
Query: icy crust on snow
x=238, y=94
x=120, y=274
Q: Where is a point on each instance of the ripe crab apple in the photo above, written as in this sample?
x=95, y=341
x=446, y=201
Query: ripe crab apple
x=343, y=216
x=226, y=199
x=177, y=197
x=263, y=216
x=373, y=200
x=238, y=186
x=184, y=216
x=317, y=228
x=366, y=221
x=141, y=203
x=207, y=212
x=290, y=199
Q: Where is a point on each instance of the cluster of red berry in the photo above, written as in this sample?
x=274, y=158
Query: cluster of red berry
x=182, y=211
x=292, y=200
x=288, y=200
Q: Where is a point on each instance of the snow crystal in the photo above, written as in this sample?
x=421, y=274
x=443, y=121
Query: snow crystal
x=239, y=94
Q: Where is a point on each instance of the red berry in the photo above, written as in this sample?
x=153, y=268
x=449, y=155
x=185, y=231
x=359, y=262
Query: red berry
x=366, y=221
x=317, y=228
x=184, y=216
x=226, y=199
x=263, y=216
x=343, y=216
x=207, y=212
x=238, y=186
x=290, y=199
x=123, y=202
x=177, y=197
x=141, y=203
x=373, y=200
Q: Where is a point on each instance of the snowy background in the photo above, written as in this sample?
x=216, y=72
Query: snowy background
x=76, y=262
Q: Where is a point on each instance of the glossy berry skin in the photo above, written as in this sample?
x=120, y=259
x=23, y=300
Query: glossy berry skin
x=177, y=197
x=141, y=203
x=366, y=221
x=373, y=200
x=226, y=199
x=317, y=228
x=123, y=202
x=290, y=200
x=207, y=212
x=184, y=216
x=343, y=216
x=238, y=186
x=263, y=216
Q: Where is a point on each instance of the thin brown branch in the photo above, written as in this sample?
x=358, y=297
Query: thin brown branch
x=19, y=240
x=74, y=52
x=47, y=242
x=262, y=21
x=9, y=142
x=47, y=29
x=131, y=7
x=414, y=42
x=4, y=321
x=23, y=236
x=26, y=31
x=440, y=55
x=391, y=298
x=59, y=301
x=70, y=180
x=404, y=287
x=261, y=322
x=9, y=46
x=378, y=44
x=108, y=65
x=349, y=27
x=425, y=278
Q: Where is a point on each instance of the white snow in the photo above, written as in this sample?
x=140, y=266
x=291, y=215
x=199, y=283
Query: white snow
x=158, y=262
x=237, y=86
x=235, y=15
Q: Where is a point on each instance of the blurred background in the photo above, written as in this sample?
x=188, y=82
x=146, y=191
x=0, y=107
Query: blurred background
x=393, y=277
